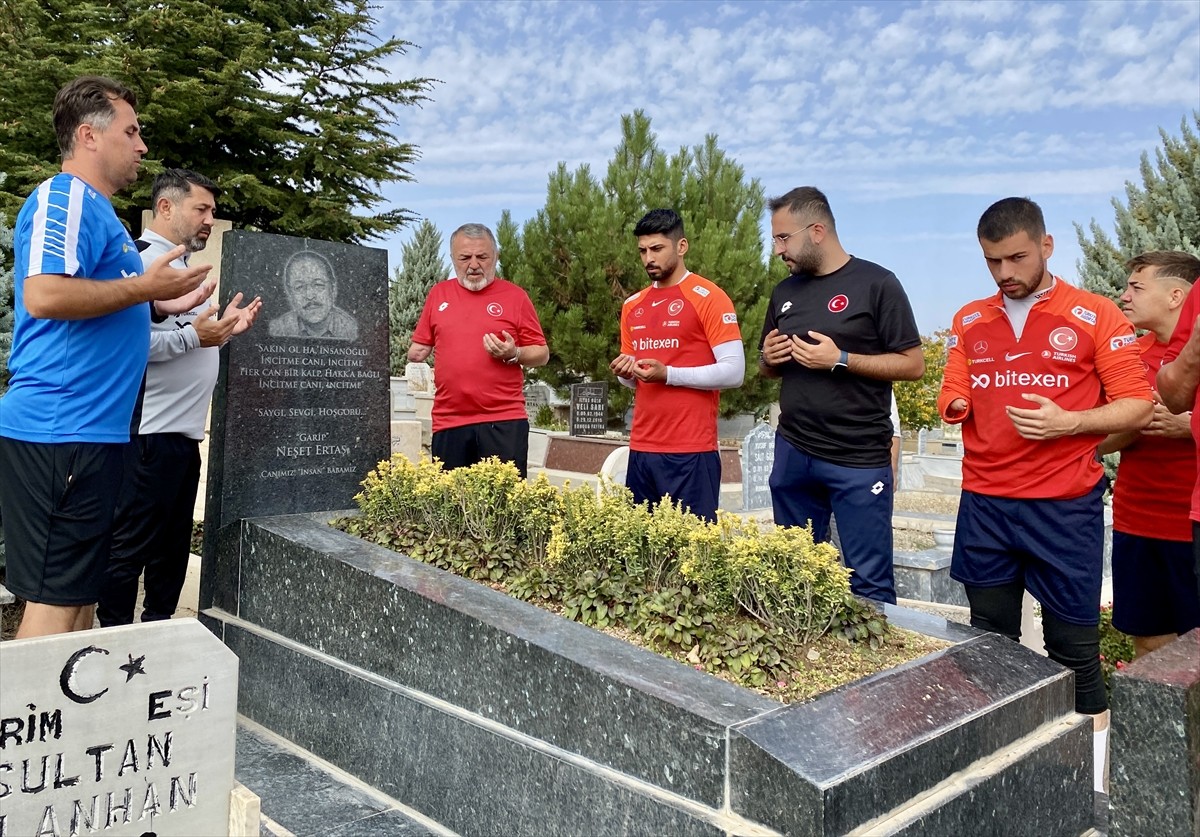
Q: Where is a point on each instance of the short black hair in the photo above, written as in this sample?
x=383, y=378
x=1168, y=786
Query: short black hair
x=176, y=184
x=660, y=222
x=805, y=202
x=1009, y=216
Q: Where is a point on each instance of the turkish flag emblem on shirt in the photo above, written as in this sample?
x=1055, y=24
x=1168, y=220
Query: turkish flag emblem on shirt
x=838, y=303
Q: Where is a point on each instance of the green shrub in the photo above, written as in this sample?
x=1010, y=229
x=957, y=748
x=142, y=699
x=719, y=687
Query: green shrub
x=732, y=595
x=1116, y=648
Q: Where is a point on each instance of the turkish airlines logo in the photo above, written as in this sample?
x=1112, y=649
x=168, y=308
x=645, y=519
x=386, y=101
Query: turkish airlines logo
x=1121, y=342
x=729, y=318
x=1084, y=314
x=838, y=303
x=675, y=307
x=495, y=309
x=1063, y=339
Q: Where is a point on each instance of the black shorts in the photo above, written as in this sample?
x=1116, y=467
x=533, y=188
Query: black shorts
x=58, y=502
x=1154, y=586
x=460, y=447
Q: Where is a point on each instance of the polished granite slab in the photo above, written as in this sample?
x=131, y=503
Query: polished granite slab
x=474, y=708
x=521, y=666
x=830, y=765
x=471, y=777
x=1155, y=742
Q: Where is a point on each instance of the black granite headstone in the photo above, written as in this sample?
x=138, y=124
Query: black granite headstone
x=758, y=458
x=301, y=408
x=589, y=408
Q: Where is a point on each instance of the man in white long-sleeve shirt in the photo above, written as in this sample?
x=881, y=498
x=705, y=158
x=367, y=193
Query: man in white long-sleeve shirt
x=153, y=525
x=680, y=345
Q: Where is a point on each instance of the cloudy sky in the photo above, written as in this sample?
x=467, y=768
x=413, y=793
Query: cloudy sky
x=912, y=116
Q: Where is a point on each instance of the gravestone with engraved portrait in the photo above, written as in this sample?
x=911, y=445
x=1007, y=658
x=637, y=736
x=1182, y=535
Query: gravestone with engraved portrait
x=301, y=411
x=126, y=731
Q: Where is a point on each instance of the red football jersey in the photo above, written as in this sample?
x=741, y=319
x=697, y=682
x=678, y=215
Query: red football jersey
x=1077, y=349
x=1187, y=319
x=1152, y=494
x=473, y=386
x=677, y=326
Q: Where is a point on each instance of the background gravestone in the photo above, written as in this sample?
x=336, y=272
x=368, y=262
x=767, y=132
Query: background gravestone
x=589, y=409
x=125, y=731
x=758, y=457
x=297, y=420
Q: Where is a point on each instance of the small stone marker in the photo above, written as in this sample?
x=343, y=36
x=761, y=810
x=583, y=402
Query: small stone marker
x=419, y=377
x=537, y=395
x=758, y=458
x=589, y=409
x=121, y=731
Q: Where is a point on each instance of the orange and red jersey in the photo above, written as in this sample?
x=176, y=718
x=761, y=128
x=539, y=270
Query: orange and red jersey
x=1154, y=484
x=473, y=386
x=677, y=326
x=1076, y=349
x=1183, y=330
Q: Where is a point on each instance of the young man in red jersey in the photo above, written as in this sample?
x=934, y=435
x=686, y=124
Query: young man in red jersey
x=485, y=331
x=1038, y=375
x=680, y=345
x=1154, y=584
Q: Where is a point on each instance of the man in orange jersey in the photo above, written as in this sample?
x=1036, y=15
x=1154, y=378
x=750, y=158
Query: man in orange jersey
x=1154, y=584
x=680, y=345
x=1038, y=375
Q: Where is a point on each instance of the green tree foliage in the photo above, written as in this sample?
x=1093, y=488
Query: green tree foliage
x=578, y=258
x=916, y=401
x=1162, y=214
x=288, y=104
x=421, y=266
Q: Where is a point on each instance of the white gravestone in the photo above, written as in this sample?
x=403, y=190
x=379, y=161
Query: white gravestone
x=120, y=731
x=758, y=458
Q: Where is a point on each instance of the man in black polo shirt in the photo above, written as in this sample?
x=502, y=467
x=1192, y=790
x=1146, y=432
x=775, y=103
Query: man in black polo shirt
x=838, y=331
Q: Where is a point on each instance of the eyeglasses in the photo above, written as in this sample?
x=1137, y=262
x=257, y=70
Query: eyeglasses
x=782, y=238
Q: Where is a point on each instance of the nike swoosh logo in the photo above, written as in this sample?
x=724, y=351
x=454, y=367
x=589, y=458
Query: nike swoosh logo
x=1008, y=356
x=656, y=304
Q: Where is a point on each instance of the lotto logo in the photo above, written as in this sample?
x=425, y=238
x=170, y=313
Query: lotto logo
x=495, y=309
x=729, y=318
x=877, y=488
x=443, y=306
x=838, y=303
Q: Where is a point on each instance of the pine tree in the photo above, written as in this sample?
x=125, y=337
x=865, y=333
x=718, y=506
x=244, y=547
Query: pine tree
x=421, y=267
x=290, y=106
x=1162, y=214
x=578, y=258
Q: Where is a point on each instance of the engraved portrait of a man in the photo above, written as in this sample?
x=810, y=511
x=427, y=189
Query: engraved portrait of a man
x=311, y=289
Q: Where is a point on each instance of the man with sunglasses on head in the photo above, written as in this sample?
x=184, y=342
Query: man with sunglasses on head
x=839, y=330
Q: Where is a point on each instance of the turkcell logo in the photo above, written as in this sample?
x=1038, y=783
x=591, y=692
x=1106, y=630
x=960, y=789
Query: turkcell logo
x=1000, y=380
x=1121, y=342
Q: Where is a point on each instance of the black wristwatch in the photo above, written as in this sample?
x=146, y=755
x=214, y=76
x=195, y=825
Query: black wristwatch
x=843, y=362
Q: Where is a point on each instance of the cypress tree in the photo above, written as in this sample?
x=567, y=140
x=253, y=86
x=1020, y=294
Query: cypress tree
x=421, y=267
